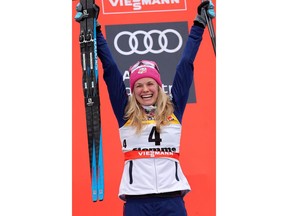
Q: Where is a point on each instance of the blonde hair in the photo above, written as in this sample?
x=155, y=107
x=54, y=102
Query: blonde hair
x=135, y=113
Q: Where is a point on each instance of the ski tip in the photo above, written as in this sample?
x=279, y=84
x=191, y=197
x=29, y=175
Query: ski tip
x=101, y=197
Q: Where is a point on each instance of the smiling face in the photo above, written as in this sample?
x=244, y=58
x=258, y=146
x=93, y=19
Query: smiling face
x=146, y=91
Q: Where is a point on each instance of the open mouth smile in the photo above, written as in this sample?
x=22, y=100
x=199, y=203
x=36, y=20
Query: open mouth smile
x=147, y=96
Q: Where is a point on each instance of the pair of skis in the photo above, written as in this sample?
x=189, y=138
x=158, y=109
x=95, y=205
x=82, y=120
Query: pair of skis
x=87, y=14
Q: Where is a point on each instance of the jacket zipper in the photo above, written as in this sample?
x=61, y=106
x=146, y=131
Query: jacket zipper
x=176, y=171
x=130, y=171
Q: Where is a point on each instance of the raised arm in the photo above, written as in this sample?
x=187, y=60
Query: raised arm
x=185, y=68
x=113, y=78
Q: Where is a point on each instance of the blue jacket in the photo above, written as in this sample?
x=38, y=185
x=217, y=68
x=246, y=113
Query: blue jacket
x=151, y=175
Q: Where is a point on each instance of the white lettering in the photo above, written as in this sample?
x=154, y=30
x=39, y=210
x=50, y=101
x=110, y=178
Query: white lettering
x=163, y=153
x=153, y=2
x=156, y=2
x=128, y=3
x=137, y=5
x=154, y=153
x=164, y=87
x=170, y=87
x=126, y=75
x=146, y=2
x=114, y=3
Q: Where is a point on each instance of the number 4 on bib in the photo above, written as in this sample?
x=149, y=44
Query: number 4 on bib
x=154, y=136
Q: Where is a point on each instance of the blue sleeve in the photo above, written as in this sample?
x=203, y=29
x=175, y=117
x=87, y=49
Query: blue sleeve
x=185, y=70
x=113, y=79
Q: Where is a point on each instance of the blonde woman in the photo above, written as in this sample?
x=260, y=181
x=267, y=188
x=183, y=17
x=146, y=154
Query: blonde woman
x=150, y=127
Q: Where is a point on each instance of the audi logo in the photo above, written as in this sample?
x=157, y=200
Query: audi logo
x=148, y=42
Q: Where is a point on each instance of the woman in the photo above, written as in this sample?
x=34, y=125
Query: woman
x=150, y=127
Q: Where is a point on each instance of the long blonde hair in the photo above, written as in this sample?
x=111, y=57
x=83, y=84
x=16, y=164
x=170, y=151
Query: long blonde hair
x=135, y=113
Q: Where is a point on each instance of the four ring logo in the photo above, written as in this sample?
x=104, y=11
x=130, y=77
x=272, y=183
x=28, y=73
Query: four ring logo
x=148, y=42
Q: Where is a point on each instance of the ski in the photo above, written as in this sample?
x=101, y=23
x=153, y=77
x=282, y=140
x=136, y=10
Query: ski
x=87, y=14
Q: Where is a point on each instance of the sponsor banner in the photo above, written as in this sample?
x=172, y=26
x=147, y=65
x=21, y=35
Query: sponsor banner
x=131, y=155
x=141, y=6
x=159, y=42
